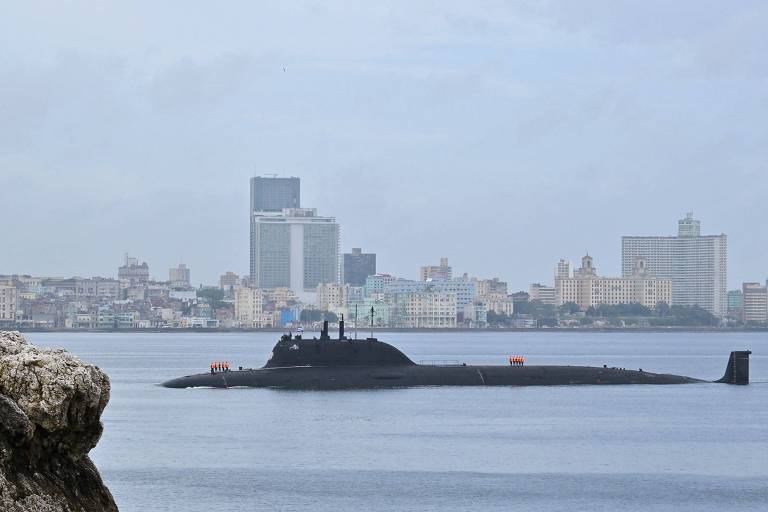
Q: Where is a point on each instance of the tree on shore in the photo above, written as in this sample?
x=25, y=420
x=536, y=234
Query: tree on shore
x=315, y=315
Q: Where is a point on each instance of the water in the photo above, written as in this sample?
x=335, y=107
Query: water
x=647, y=448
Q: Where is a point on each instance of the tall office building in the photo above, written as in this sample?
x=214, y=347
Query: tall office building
x=296, y=250
x=697, y=265
x=272, y=194
x=358, y=266
x=291, y=247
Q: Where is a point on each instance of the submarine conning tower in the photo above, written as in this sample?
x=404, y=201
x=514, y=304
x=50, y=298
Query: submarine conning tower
x=324, y=351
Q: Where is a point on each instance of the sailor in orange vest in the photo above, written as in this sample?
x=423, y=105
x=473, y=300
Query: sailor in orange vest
x=511, y=360
x=213, y=366
x=226, y=366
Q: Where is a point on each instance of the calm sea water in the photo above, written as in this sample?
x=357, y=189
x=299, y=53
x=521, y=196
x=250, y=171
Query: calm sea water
x=647, y=448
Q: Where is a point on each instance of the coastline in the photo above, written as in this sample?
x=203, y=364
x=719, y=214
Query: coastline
x=402, y=329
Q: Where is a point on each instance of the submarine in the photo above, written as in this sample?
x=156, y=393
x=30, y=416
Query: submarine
x=325, y=364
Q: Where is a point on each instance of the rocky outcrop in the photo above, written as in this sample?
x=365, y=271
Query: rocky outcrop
x=50, y=410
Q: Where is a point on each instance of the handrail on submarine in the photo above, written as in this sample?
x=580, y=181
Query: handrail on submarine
x=441, y=362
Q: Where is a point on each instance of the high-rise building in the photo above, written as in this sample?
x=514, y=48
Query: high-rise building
x=272, y=194
x=563, y=269
x=587, y=289
x=296, y=250
x=697, y=265
x=291, y=247
x=689, y=227
x=133, y=273
x=436, y=273
x=179, y=277
x=357, y=266
x=755, y=305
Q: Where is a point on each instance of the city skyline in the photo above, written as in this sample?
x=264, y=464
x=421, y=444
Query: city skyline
x=157, y=274
x=504, y=138
x=419, y=268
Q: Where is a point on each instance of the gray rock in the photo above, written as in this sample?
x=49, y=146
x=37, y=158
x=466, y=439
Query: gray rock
x=50, y=411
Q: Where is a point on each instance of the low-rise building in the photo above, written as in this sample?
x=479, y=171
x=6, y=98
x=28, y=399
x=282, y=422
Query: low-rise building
x=280, y=297
x=430, y=309
x=541, y=293
x=249, y=306
x=85, y=321
x=463, y=288
x=184, y=295
x=331, y=296
x=476, y=314
x=8, y=305
x=374, y=285
x=487, y=287
x=136, y=293
x=735, y=305
x=499, y=304
x=195, y=322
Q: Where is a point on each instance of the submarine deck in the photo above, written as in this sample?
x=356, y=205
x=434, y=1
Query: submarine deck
x=362, y=377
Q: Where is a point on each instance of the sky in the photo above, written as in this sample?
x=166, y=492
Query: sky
x=502, y=135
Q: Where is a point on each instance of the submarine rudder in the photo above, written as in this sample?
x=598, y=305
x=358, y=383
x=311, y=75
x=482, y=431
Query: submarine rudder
x=737, y=371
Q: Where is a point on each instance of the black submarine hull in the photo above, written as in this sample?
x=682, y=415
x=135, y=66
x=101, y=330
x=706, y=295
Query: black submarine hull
x=369, y=377
x=297, y=363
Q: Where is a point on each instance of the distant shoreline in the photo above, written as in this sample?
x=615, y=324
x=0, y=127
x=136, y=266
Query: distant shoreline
x=362, y=333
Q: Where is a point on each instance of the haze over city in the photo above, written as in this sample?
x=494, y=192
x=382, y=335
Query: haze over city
x=504, y=137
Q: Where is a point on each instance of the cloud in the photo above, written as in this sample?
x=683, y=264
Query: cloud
x=503, y=135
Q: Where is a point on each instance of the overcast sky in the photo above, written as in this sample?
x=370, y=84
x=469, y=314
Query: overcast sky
x=503, y=135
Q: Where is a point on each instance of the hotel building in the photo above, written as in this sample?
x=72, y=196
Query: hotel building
x=697, y=265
